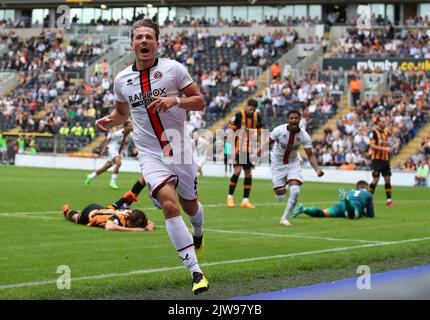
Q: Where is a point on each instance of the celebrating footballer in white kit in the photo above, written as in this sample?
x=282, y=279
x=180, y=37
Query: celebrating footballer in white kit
x=286, y=160
x=157, y=93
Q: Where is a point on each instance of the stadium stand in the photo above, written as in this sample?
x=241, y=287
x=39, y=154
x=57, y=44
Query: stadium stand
x=382, y=43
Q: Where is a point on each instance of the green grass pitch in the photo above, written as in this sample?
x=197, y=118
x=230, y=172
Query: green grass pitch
x=247, y=251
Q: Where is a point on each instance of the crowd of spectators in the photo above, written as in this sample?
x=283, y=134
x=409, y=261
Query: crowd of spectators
x=216, y=63
x=271, y=21
x=379, y=20
x=47, y=52
x=312, y=95
x=406, y=106
x=48, y=101
x=385, y=42
x=46, y=96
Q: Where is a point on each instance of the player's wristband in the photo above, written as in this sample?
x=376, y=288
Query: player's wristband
x=178, y=101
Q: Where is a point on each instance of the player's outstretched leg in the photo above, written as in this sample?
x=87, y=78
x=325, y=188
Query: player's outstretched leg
x=113, y=184
x=125, y=201
x=98, y=172
x=181, y=237
x=298, y=210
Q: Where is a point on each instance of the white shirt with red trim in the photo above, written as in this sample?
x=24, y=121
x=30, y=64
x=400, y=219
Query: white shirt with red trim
x=117, y=140
x=155, y=133
x=287, y=145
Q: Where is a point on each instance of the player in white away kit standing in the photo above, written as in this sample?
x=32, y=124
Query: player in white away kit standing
x=158, y=93
x=286, y=160
x=116, y=142
x=199, y=150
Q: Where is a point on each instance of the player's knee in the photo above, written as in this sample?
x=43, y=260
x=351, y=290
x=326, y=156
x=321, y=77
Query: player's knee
x=191, y=208
x=170, y=208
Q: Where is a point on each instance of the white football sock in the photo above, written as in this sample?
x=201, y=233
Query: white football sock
x=197, y=221
x=230, y=196
x=245, y=200
x=114, y=176
x=92, y=175
x=292, y=200
x=183, y=242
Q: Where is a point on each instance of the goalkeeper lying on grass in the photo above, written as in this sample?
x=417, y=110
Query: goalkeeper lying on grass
x=352, y=205
x=115, y=217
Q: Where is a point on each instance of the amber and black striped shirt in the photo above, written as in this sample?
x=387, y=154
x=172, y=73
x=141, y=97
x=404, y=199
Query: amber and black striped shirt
x=248, y=126
x=379, y=138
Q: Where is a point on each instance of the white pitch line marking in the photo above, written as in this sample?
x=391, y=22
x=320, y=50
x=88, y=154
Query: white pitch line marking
x=301, y=236
x=211, y=264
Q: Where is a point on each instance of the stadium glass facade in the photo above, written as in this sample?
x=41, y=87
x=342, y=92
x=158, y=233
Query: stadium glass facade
x=247, y=13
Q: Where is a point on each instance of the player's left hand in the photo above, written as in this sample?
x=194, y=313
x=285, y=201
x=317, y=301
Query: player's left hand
x=320, y=173
x=162, y=104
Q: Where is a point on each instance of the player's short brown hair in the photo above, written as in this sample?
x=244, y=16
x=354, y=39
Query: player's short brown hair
x=252, y=103
x=146, y=23
x=361, y=184
x=137, y=219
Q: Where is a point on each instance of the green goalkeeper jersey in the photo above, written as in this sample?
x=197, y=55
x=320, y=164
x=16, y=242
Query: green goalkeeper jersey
x=362, y=200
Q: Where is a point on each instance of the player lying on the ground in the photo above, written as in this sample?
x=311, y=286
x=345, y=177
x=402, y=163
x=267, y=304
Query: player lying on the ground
x=109, y=218
x=354, y=204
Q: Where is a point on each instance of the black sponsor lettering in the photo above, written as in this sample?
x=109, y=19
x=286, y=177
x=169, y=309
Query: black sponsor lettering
x=144, y=98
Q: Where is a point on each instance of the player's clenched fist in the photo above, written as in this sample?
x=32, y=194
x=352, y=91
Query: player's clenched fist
x=320, y=172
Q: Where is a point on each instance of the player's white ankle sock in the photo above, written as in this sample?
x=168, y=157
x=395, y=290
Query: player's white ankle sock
x=292, y=200
x=92, y=175
x=197, y=222
x=245, y=200
x=114, y=176
x=230, y=196
x=183, y=242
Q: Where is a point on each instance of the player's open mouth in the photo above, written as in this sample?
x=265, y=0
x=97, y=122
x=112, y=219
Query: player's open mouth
x=144, y=50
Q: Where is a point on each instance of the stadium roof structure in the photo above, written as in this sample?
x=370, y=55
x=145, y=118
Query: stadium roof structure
x=179, y=3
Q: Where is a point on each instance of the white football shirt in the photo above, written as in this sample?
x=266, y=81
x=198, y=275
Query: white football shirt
x=287, y=145
x=199, y=148
x=117, y=140
x=155, y=133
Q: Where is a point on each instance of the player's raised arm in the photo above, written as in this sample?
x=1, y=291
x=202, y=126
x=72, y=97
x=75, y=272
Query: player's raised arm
x=311, y=157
